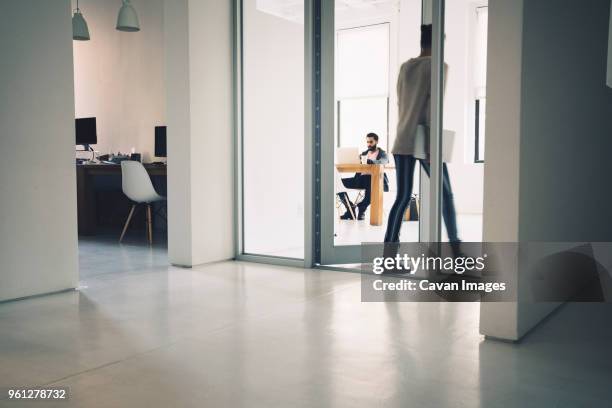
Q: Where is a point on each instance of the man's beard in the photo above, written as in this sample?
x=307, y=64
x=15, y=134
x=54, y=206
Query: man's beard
x=372, y=148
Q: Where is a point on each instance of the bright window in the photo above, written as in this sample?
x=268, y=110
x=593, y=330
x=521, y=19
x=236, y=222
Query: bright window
x=362, y=84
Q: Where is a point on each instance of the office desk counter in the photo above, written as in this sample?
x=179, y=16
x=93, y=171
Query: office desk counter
x=376, y=171
x=86, y=201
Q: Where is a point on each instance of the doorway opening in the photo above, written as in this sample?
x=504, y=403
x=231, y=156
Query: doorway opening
x=120, y=113
x=371, y=42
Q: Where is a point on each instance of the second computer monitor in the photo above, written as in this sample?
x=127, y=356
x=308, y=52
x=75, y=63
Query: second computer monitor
x=160, y=141
x=86, y=133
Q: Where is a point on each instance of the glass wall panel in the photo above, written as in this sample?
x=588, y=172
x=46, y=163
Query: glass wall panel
x=465, y=54
x=373, y=39
x=273, y=127
x=480, y=78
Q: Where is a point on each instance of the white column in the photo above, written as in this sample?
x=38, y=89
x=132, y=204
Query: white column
x=200, y=130
x=38, y=221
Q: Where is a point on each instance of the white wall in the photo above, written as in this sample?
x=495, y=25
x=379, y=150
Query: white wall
x=567, y=125
x=119, y=76
x=38, y=227
x=503, y=128
x=198, y=41
x=566, y=128
x=548, y=137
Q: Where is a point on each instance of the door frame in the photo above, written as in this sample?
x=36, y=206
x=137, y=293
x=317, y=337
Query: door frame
x=319, y=110
x=321, y=114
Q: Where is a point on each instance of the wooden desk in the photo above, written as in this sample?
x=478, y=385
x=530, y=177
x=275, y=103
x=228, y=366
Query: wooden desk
x=376, y=171
x=86, y=202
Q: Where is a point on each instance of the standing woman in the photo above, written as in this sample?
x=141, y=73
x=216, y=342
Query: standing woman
x=414, y=96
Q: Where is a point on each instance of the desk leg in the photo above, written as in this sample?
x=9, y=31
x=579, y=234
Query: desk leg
x=85, y=203
x=81, y=204
x=376, y=208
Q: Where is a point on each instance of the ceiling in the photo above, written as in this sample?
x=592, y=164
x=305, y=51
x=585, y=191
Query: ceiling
x=346, y=10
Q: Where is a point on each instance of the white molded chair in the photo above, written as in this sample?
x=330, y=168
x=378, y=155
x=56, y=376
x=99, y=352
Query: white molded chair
x=137, y=186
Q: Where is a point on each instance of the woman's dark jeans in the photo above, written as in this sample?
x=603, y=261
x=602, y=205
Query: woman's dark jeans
x=404, y=170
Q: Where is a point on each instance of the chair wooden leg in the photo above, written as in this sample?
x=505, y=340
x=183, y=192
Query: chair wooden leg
x=359, y=197
x=149, y=224
x=127, y=222
x=353, y=216
x=344, y=200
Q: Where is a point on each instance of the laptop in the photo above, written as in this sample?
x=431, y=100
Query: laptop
x=348, y=155
x=421, y=143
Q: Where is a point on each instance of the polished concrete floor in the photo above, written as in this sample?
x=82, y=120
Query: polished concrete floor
x=352, y=232
x=139, y=333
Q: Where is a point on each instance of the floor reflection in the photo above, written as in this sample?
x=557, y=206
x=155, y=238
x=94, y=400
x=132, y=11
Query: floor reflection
x=238, y=334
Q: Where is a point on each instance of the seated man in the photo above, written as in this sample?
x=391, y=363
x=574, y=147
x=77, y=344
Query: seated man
x=374, y=155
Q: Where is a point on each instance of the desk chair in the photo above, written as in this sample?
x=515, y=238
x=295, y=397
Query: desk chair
x=342, y=197
x=137, y=186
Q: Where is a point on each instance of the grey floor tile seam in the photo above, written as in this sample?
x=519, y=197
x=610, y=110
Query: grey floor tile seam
x=111, y=363
x=145, y=270
x=135, y=355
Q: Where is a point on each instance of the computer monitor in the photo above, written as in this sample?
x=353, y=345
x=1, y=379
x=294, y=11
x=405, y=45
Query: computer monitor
x=86, y=133
x=160, y=141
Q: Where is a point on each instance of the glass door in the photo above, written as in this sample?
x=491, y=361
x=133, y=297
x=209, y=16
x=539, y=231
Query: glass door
x=317, y=105
x=362, y=47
